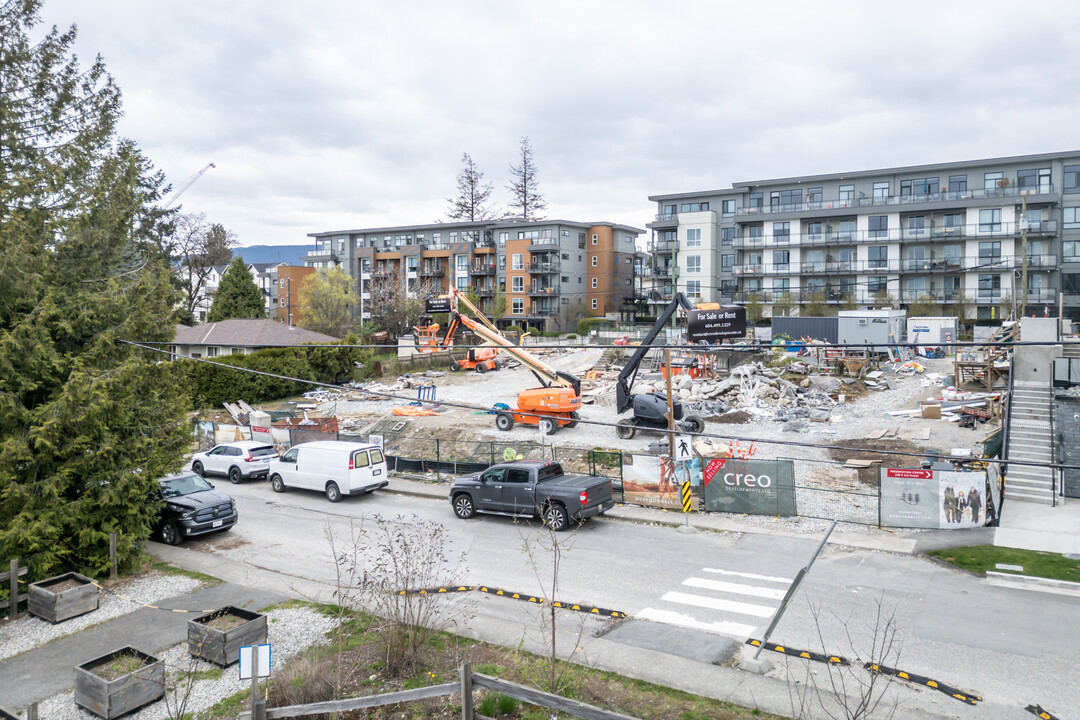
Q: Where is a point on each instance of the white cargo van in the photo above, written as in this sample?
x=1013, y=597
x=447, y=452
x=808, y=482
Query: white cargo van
x=331, y=466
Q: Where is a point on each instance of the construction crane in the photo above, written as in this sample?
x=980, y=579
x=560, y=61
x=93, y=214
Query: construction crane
x=187, y=183
x=550, y=407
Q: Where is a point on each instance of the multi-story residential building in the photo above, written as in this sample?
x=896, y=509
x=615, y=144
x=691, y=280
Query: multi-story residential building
x=288, y=282
x=264, y=275
x=951, y=233
x=549, y=272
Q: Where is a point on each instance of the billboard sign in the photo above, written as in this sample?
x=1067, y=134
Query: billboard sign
x=755, y=487
x=711, y=326
x=435, y=305
x=944, y=500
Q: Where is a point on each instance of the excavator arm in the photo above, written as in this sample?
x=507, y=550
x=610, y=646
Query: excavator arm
x=629, y=372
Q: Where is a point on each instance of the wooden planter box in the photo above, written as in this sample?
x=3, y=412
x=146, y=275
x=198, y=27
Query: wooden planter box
x=218, y=636
x=62, y=597
x=117, y=683
x=5, y=715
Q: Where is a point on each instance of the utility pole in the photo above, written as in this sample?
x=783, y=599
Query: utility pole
x=288, y=297
x=670, y=409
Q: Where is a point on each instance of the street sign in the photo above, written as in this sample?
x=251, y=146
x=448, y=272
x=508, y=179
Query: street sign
x=435, y=305
x=374, y=439
x=684, y=448
x=712, y=325
x=245, y=661
x=909, y=473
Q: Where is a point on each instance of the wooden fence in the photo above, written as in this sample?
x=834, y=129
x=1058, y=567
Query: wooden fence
x=468, y=682
x=14, y=596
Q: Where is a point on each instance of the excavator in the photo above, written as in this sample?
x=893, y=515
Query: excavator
x=650, y=409
x=550, y=407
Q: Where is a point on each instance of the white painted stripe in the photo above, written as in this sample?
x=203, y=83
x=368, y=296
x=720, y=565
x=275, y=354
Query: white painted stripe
x=673, y=618
x=717, y=604
x=749, y=576
x=754, y=590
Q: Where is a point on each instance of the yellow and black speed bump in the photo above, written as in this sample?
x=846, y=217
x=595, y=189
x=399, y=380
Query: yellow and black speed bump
x=438, y=590
x=941, y=687
x=806, y=654
x=1037, y=711
x=590, y=609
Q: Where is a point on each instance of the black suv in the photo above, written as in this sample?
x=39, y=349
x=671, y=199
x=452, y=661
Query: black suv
x=192, y=507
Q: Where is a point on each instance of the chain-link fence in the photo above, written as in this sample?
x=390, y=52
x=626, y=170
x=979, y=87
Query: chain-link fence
x=831, y=491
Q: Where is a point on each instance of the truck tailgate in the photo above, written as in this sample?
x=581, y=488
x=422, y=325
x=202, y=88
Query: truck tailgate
x=599, y=488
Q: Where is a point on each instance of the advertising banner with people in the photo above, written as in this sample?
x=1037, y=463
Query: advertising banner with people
x=939, y=499
x=756, y=487
x=654, y=480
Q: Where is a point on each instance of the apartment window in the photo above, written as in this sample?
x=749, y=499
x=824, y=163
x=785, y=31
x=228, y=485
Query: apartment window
x=781, y=286
x=813, y=285
x=581, y=241
x=565, y=256
x=881, y=190
x=693, y=288
x=953, y=224
x=669, y=210
x=564, y=278
x=462, y=284
x=989, y=286
x=282, y=301
x=1072, y=178
x=727, y=287
x=877, y=283
x=693, y=237
x=410, y=263
x=594, y=283
x=694, y=207
x=502, y=263
x=878, y=256
x=546, y=234
x=918, y=186
x=757, y=202
x=814, y=230
x=990, y=220
x=727, y=235
x=693, y=263
x=281, y=282
x=781, y=232
x=727, y=262
x=879, y=226
x=594, y=303
x=814, y=197
x=1070, y=284
x=461, y=263
x=780, y=260
x=813, y=260
x=790, y=199
x=1036, y=180
x=847, y=194
x=503, y=237
x=916, y=287
x=957, y=183
x=753, y=259
x=579, y=280
x=517, y=284
x=1071, y=217
x=991, y=180
x=517, y=261
x=594, y=239
x=757, y=232
x=517, y=306
x=916, y=226
x=727, y=208
x=594, y=260
x=989, y=252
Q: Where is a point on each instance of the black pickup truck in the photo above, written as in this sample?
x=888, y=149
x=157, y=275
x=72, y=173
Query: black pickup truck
x=531, y=488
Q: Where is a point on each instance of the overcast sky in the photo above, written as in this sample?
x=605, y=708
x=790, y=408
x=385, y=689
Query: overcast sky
x=341, y=114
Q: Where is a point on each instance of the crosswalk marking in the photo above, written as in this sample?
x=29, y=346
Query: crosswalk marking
x=762, y=592
x=749, y=576
x=673, y=618
x=718, y=604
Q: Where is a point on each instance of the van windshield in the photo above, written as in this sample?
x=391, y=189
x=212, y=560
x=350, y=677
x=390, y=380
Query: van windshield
x=376, y=456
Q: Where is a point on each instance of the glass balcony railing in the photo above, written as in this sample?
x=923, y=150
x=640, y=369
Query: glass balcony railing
x=941, y=196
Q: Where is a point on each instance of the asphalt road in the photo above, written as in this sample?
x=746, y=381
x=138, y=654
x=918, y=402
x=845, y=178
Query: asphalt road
x=1013, y=647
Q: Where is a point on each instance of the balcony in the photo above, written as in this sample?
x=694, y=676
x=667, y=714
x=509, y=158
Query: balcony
x=550, y=244
x=1048, y=262
x=482, y=269
x=1042, y=295
x=384, y=273
x=433, y=271
x=542, y=268
x=942, y=196
x=543, y=290
x=483, y=291
x=660, y=272
x=663, y=246
x=765, y=296
x=664, y=220
x=972, y=231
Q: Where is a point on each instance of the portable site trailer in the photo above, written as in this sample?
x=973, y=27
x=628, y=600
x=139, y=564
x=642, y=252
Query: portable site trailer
x=880, y=327
x=931, y=331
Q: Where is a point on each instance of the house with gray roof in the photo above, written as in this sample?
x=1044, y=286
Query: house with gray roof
x=240, y=337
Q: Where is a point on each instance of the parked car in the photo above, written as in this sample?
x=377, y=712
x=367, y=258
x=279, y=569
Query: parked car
x=333, y=467
x=532, y=488
x=235, y=460
x=192, y=507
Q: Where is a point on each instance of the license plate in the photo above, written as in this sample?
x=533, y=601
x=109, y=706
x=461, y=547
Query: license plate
x=217, y=523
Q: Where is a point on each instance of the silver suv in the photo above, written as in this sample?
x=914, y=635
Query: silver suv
x=236, y=460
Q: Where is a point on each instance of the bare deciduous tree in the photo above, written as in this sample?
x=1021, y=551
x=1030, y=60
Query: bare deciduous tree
x=471, y=202
x=195, y=247
x=527, y=203
x=393, y=308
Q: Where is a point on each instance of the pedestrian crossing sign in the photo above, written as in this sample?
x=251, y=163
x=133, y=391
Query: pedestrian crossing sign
x=684, y=447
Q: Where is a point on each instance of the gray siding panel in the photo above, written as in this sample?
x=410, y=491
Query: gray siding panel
x=818, y=328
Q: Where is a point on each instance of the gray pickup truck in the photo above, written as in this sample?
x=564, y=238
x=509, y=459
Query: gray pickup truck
x=532, y=488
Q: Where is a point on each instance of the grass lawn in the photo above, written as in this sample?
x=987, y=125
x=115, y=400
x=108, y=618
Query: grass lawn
x=980, y=558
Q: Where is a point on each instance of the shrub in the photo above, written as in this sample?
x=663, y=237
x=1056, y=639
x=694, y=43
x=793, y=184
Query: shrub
x=571, y=336
x=587, y=325
x=304, y=680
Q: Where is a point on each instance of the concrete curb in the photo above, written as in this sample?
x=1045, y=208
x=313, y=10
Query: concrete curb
x=1031, y=582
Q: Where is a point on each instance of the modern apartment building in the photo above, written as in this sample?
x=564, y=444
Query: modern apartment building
x=967, y=232
x=289, y=280
x=551, y=273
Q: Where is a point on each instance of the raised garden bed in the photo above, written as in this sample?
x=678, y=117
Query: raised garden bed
x=218, y=636
x=63, y=597
x=117, y=683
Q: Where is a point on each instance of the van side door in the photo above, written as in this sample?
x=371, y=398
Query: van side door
x=359, y=470
x=287, y=468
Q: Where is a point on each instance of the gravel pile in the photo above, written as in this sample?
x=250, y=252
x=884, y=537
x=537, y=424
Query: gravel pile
x=30, y=632
x=291, y=630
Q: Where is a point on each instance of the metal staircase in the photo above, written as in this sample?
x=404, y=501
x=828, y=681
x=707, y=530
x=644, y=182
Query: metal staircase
x=1029, y=440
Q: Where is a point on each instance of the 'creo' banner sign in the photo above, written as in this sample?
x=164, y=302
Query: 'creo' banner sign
x=757, y=487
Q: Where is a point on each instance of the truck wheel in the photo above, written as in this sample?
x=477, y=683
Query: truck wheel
x=333, y=494
x=694, y=424
x=573, y=421
x=463, y=506
x=234, y=475
x=170, y=533
x=277, y=484
x=504, y=421
x=548, y=426
x=455, y=366
x=555, y=517
x=481, y=368
x=625, y=429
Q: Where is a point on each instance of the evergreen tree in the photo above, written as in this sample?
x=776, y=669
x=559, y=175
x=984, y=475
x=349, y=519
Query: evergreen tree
x=471, y=202
x=526, y=202
x=87, y=422
x=237, y=295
